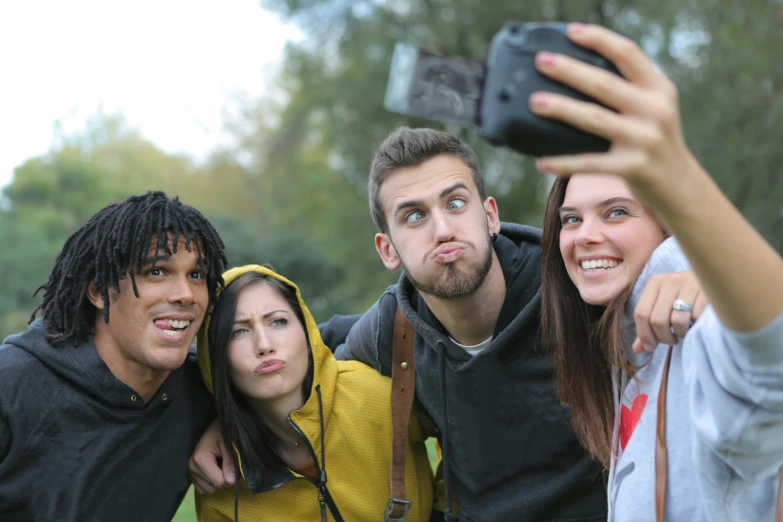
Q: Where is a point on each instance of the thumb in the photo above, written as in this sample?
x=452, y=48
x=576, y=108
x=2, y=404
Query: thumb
x=229, y=471
x=637, y=346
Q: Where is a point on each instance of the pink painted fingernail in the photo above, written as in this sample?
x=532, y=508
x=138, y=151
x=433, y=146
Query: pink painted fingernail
x=545, y=59
x=544, y=166
x=576, y=28
x=539, y=100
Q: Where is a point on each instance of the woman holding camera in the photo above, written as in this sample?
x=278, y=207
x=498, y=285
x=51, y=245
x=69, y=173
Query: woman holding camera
x=691, y=432
x=312, y=435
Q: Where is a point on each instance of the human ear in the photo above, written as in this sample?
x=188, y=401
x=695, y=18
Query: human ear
x=385, y=249
x=493, y=217
x=95, y=297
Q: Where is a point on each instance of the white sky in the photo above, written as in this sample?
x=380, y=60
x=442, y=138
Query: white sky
x=168, y=65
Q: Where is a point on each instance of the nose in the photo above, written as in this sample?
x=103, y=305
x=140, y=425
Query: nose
x=590, y=232
x=181, y=291
x=264, y=345
x=443, y=229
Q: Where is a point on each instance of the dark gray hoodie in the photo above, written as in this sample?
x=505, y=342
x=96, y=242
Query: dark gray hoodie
x=76, y=444
x=509, y=451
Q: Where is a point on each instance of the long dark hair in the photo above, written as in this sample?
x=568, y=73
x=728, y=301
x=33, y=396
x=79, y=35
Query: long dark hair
x=240, y=425
x=585, y=341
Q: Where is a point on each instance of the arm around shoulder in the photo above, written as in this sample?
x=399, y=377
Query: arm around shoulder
x=367, y=338
x=335, y=331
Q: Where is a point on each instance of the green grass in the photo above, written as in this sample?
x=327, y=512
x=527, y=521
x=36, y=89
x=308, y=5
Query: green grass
x=187, y=510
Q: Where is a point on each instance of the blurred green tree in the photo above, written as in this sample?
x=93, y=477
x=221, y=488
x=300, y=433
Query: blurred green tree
x=51, y=195
x=724, y=59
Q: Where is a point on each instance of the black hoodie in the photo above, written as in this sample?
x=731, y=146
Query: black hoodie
x=509, y=451
x=76, y=444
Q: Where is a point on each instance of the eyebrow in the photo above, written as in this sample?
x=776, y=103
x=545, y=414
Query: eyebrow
x=165, y=258
x=604, y=203
x=418, y=202
x=152, y=260
x=445, y=192
x=244, y=320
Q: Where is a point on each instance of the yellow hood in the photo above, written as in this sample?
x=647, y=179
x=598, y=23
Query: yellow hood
x=345, y=421
x=320, y=351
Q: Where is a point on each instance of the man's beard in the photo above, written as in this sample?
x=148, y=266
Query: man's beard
x=455, y=283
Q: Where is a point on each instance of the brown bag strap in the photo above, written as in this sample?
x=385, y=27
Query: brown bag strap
x=660, y=444
x=660, y=454
x=402, y=392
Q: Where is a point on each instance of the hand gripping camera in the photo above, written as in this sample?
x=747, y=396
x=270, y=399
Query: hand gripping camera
x=493, y=96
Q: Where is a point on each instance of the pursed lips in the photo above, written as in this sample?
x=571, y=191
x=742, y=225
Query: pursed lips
x=449, y=250
x=269, y=366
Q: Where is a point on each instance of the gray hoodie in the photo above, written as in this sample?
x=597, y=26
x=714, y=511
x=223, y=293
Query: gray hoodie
x=724, y=420
x=76, y=444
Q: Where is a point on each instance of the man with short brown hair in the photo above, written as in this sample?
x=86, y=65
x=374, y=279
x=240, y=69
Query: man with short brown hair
x=471, y=288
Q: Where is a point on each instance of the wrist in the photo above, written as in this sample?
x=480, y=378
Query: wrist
x=673, y=198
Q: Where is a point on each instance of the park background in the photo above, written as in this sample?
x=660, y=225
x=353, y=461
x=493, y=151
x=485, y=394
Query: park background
x=283, y=174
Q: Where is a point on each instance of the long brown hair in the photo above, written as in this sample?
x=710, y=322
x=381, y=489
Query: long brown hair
x=585, y=341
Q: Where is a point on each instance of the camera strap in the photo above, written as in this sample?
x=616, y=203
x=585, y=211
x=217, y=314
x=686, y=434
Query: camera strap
x=660, y=444
x=402, y=393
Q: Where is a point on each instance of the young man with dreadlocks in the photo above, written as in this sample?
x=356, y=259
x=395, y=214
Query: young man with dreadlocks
x=98, y=413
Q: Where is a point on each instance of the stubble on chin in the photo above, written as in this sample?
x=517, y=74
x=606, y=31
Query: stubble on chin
x=455, y=282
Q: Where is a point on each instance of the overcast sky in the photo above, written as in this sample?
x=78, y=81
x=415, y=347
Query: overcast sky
x=168, y=65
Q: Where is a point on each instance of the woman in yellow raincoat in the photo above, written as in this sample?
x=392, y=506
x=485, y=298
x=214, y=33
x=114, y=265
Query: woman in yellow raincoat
x=312, y=435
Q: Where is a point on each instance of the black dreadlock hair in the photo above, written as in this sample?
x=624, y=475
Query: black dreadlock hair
x=112, y=245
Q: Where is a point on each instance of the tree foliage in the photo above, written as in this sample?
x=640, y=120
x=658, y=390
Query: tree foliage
x=292, y=192
x=723, y=54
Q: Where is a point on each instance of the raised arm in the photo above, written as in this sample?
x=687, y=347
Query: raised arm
x=733, y=357
x=740, y=272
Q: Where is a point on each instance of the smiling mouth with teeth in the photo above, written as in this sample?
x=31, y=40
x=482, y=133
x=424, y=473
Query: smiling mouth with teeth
x=170, y=326
x=603, y=264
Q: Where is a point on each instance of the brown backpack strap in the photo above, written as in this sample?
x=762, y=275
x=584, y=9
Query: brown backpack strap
x=660, y=444
x=402, y=392
x=660, y=454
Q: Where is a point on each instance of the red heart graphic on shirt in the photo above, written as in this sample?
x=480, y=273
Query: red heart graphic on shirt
x=630, y=418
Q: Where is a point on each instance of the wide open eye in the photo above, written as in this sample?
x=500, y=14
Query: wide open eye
x=414, y=217
x=456, y=204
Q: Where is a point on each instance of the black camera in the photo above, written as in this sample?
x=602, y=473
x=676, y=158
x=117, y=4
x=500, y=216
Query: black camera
x=493, y=97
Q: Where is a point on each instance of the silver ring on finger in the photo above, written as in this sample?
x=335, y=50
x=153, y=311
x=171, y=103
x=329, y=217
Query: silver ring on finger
x=682, y=306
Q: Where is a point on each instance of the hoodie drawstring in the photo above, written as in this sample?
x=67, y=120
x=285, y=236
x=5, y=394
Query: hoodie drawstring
x=322, y=481
x=448, y=516
x=236, y=500
x=323, y=444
